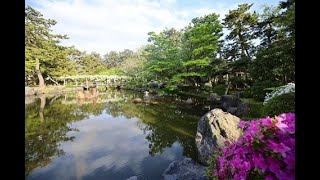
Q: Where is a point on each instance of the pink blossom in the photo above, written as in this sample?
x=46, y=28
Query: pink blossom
x=266, y=122
x=242, y=124
x=246, y=155
x=278, y=147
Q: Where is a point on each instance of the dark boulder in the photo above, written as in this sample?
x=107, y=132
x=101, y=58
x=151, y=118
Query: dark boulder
x=186, y=169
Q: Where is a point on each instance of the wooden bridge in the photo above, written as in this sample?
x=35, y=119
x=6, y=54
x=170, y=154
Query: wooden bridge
x=95, y=80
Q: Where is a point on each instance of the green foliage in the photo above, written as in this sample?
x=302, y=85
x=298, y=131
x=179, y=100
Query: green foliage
x=212, y=165
x=280, y=104
x=241, y=24
x=88, y=64
x=220, y=89
x=43, y=47
x=171, y=89
x=162, y=55
x=182, y=58
x=111, y=71
x=247, y=93
x=259, y=88
x=274, y=63
x=197, y=62
x=256, y=110
x=275, y=59
x=200, y=44
x=267, y=25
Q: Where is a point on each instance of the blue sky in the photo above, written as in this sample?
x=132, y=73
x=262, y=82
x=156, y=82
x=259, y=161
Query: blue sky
x=105, y=25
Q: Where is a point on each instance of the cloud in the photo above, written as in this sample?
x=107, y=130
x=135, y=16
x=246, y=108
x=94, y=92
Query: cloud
x=102, y=26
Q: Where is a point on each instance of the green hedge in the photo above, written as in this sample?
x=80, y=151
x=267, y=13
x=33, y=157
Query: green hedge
x=280, y=104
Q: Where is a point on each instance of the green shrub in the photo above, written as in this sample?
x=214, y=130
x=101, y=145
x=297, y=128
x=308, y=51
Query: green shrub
x=220, y=89
x=280, y=104
x=256, y=111
x=259, y=89
x=247, y=93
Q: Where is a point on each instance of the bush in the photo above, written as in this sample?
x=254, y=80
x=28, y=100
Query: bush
x=220, y=89
x=256, y=111
x=259, y=89
x=247, y=93
x=265, y=151
x=280, y=104
x=290, y=87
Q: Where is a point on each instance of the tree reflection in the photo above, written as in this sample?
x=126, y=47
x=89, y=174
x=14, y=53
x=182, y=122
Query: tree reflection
x=47, y=123
x=47, y=126
x=163, y=123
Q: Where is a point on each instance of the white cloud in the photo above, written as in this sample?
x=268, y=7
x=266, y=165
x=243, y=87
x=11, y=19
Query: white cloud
x=102, y=26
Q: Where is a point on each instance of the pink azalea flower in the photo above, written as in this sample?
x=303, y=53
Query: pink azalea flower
x=280, y=123
x=259, y=161
x=242, y=124
x=266, y=122
x=278, y=147
x=240, y=158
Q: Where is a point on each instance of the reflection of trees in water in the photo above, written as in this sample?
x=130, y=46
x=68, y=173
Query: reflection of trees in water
x=163, y=124
x=47, y=123
x=168, y=126
x=47, y=126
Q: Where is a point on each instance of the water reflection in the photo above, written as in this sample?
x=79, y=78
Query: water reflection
x=108, y=137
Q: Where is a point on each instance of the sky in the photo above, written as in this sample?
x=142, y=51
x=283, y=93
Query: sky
x=105, y=25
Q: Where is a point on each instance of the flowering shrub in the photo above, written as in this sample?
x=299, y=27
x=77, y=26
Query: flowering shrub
x=280, y=104
x=265, y=151
x=290, y=87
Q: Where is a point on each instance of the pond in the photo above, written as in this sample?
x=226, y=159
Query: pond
x=108, y=137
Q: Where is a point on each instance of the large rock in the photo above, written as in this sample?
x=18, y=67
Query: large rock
x=214, y=98
x=153, y=83
x=186, y=169
x=162, y=85
x=214, y=128
x=229, y=101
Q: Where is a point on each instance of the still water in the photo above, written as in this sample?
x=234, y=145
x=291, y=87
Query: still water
x=108, y=137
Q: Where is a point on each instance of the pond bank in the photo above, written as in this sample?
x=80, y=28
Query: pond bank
x=30, y=91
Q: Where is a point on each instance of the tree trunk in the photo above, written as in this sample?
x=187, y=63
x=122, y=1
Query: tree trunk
x=269, y=33
x=41, y=80
x=243, y=48
x=53, y=80
x=226, y=92
x=42, y=105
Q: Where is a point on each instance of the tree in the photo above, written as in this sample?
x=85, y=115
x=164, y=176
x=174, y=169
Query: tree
x=267, y=25
x=275, y=63
x=200, y=46
x=241, y=24
x=111, y=59
x=277, y=60
x=133, y=63
x=90, y=64
x=41, y=46
x=162, y=55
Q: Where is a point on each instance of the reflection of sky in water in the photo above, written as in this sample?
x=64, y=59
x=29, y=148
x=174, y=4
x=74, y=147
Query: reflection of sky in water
x=107, y=147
